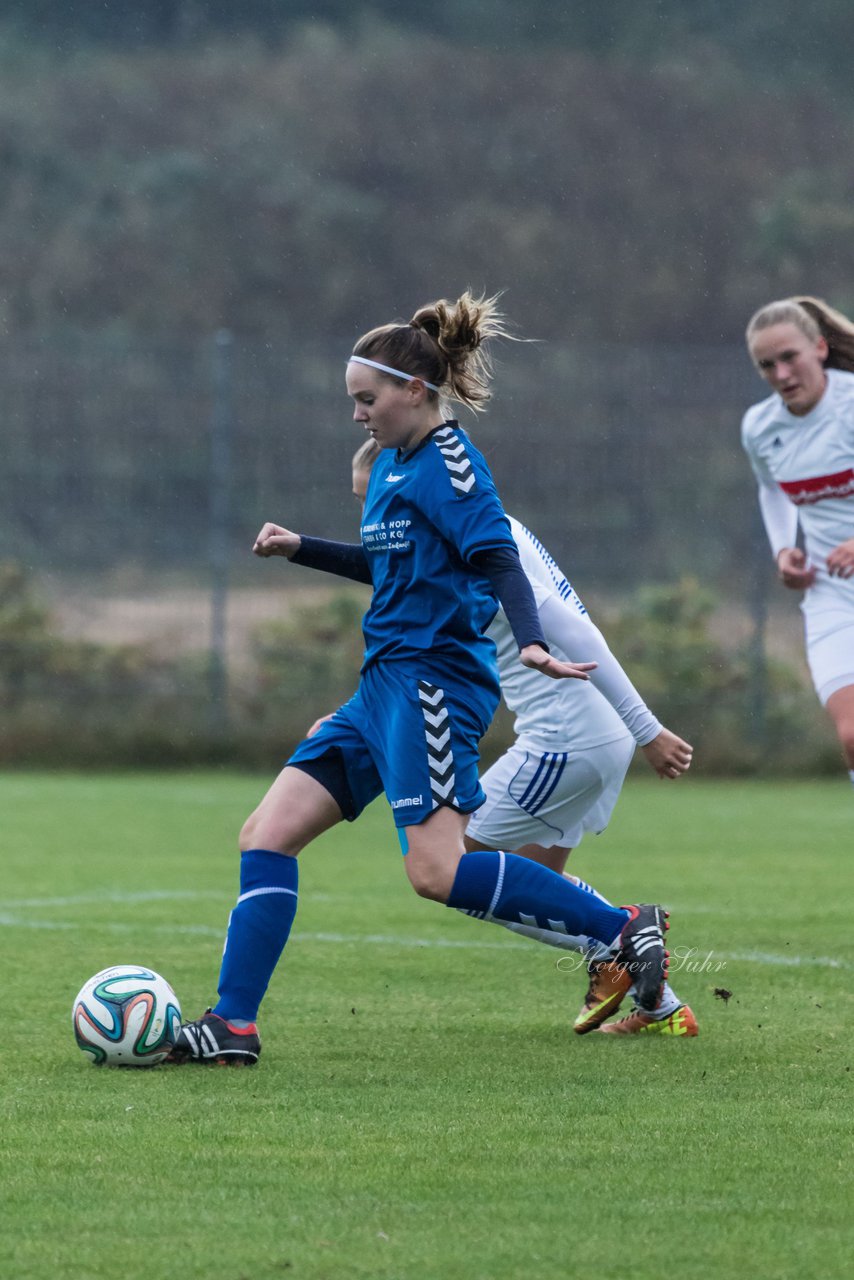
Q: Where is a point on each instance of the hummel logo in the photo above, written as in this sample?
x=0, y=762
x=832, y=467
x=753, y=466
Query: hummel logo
x=391, y=478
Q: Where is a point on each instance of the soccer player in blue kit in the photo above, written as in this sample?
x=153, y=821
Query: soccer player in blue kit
x=562, y=775
x=438, y=550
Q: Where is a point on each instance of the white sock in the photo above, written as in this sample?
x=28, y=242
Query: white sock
x=595, y=950
x=588, y=888
x=551, y=937
x=668, y=1003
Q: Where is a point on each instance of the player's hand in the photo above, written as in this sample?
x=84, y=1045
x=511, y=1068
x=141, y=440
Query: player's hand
x=840, y=562
x=273, y=540
x=314, y=728
x=794, y=569
x=668, y=755
x=535, y=656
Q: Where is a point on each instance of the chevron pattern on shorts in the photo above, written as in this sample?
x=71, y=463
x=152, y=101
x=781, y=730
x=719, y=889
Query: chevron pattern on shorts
x=437, y=733
x=457, y=460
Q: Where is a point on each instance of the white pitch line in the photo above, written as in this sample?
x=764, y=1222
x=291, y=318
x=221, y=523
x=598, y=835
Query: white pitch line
x=106, y=895
x=100, y=896
x=789, y=962
x=110, y=926
x=392, y=940
x=10, y=921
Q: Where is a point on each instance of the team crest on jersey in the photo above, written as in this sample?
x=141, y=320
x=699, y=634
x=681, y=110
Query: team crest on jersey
x=457, y=460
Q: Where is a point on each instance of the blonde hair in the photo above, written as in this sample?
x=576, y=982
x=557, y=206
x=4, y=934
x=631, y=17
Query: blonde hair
x=815, y=319
x=366, y=455
x=443, y=343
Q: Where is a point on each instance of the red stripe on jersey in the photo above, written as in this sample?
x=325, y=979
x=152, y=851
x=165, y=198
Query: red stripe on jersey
x=818, y=488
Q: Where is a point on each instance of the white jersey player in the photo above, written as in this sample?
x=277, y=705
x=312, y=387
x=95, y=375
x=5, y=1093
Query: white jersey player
x=563, y=774
x=800, y=442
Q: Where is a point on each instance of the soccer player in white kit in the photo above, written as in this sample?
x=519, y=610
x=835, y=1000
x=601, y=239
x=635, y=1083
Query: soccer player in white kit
x=562, y=776
x=800, y=442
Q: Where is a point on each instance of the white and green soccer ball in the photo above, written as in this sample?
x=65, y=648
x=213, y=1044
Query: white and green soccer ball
x=127, y=1016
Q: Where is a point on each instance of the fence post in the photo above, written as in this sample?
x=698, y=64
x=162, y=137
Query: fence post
x=757, y=658
x=219, y=514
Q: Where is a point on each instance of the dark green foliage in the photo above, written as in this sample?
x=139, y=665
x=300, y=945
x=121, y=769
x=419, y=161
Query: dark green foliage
x=70, y=701
x=704, y=689
x=778, y=42
x=305, y=667
x=66, y=701
x=281, y=189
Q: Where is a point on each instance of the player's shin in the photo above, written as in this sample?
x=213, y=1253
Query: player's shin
x=516, y=890
x=258, y=929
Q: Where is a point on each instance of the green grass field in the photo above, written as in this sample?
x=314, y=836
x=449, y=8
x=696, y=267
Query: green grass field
x=421, y=1109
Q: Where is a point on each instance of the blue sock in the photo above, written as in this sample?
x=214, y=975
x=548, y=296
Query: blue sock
x=524, y=892
x=258, y=929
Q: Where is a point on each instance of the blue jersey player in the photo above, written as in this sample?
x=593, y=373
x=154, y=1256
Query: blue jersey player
x=562, y=775
x=438, y=549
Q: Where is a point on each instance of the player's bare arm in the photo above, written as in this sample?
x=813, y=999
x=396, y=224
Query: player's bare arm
x=840, y=562
x=668, y=755
x=273, y=540
x=794, y=570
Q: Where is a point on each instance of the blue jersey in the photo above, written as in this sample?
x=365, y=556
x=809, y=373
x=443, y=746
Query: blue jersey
x=426, y=513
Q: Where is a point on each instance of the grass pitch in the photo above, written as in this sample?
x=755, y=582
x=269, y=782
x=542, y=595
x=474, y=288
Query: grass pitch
x=421, y=1109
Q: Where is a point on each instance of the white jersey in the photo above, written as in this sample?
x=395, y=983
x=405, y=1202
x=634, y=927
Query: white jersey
x=566, y=715
x=809, y=460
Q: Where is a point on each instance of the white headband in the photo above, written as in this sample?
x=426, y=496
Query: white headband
x=395, y=373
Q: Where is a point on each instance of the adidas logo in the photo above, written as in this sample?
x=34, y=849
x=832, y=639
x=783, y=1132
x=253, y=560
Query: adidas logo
x=646, y=939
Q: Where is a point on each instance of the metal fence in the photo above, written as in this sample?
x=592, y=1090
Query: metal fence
x=134, y=477
x=625, y=459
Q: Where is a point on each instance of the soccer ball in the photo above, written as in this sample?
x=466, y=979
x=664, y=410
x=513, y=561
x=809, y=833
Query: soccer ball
x=127, y=1016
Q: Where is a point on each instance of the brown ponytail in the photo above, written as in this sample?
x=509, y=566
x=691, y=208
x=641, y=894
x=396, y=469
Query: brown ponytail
x=443, y=344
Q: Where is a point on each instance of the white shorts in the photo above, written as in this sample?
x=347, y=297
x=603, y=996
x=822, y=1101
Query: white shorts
x=550, y=798
x=829, y=632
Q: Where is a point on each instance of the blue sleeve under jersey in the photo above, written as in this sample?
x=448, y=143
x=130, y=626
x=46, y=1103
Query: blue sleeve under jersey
x=346, y=559
x=510, y=583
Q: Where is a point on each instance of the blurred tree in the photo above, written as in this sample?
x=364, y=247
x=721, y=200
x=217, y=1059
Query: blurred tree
x=780, y=43
x=175, y=191
x=803, y=231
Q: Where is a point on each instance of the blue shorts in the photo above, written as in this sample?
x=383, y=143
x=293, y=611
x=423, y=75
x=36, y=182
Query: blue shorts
x=406, y=735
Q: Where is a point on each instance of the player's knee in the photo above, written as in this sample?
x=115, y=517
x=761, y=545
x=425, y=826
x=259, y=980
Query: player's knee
x=258, y=832
x=246, y=840
x=430, y=879
x=845, y=732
